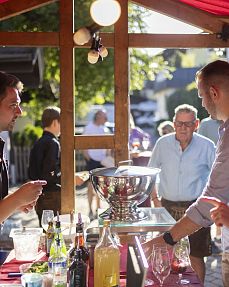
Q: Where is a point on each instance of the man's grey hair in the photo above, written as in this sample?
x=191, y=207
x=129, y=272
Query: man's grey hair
x=185, y=108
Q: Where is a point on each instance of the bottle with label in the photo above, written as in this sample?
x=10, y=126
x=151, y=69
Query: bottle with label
x=58, y=235
x=49, y=237
x=78, y=271
x=106, y=259
x=57, y=266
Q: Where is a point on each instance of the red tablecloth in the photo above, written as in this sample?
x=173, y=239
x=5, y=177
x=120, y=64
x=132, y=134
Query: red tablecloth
x=12, y=265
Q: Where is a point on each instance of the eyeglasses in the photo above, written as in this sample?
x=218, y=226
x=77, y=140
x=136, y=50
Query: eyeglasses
x=190, y=124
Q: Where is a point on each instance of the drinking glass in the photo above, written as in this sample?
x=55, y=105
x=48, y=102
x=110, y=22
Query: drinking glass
x=161, y=265
x=145, y=143
x=143, y=239
x=181, y=260
x=47, y=216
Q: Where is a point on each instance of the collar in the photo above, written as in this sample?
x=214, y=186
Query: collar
x=47, y=133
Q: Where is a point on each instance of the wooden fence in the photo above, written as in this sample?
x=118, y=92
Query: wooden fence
x=19, y=170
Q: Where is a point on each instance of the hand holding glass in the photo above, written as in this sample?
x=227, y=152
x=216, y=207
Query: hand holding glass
x=47, y=216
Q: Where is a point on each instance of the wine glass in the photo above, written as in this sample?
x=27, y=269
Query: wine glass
x=161, y=265
x=47, y=216
x=145, y=143
x=143, y=238
x=181, y=260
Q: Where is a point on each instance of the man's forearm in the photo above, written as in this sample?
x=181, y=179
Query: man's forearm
x=7, y=206
x=185, y=226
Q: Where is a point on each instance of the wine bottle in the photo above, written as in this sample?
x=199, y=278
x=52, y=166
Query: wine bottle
x=78, y=271
x=106, y=259
x=79, y=242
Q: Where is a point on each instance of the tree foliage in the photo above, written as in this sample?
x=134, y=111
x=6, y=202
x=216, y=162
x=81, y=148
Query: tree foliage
x=94, y=83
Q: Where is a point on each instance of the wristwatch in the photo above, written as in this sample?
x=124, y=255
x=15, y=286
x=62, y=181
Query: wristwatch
x=168, y=238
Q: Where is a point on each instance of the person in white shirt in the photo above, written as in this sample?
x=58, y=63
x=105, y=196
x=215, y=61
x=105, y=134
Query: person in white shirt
x=94, y=157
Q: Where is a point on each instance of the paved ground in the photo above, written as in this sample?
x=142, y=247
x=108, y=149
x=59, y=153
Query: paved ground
x=213, y=265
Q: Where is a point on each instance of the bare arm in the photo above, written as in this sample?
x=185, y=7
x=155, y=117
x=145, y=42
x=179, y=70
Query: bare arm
x=185, y=226
x=155, y=198
x=23, y=198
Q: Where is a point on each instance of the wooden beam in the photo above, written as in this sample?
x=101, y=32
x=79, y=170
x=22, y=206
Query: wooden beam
x=94, y=142
x=51, y=39
x=176, y=41
x=16, y=7
x=29, y=39
x=185, y=13
x=67, y=105
x=121, y=75
x=107, y=41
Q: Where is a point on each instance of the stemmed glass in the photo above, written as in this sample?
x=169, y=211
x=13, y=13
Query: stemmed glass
x=145, y=143
x=143, y=239
x=47, y=216
x=161, y=264
x=181, y=260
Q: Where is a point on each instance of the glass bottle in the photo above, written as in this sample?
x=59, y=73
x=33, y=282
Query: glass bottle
x=57, y=266
x=106, y=259
x=58, y=235
x=49, y=236
x=78, y=271
x=79, y=244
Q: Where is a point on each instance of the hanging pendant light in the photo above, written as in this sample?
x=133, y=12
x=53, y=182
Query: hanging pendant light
x=105, y=12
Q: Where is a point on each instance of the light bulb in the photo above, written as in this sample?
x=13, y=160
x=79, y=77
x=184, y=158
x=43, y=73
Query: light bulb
x=103, y=51
x=82, y=36
x=93, y=57
x=105, y=12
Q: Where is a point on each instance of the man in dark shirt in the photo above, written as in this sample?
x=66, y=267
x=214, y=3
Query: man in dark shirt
x=26, y=196
x=44, y=161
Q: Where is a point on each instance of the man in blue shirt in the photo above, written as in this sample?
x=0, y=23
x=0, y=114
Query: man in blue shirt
x=185, y=159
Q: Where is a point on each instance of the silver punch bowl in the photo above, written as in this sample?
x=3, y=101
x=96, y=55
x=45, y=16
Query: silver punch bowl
x=124, y=188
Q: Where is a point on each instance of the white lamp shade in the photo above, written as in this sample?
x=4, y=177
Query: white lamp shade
x=105, y=12
x=82, y=36
x=93, y=57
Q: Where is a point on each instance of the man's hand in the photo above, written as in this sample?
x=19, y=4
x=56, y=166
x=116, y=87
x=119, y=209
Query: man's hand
x=157, y=202
x=220, y=213
x=28, y=193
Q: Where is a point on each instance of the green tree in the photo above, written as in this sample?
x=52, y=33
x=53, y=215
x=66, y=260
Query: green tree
x=94, y=83
x=189, y=95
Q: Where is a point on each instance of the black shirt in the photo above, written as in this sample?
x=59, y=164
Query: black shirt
x=4, y=182
x=44, y=161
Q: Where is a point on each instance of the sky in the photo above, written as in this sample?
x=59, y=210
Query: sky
x=161, y=24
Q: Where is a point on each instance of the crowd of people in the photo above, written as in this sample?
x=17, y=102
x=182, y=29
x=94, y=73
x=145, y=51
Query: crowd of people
x=193, y=182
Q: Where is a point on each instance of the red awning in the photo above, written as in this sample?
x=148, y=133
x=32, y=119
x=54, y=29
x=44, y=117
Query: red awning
x=217, y=7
